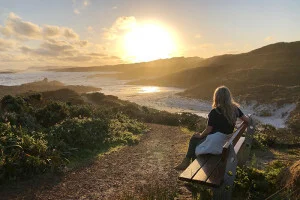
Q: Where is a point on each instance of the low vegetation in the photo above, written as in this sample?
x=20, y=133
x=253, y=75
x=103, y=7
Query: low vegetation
x=39, y=134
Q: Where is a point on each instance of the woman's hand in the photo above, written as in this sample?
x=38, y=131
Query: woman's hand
x=197, y=135
x=245, y=119
x=207, y=130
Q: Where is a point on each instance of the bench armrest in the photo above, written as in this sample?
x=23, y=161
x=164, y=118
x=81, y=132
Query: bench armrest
x=233, y=140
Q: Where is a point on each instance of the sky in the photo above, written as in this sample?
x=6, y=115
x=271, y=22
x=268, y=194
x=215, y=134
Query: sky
x=37, y=33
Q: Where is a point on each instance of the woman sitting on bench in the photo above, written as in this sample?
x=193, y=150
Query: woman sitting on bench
x=222, y=118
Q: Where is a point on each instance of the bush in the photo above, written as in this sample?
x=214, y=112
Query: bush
x=265, y=137
x=35, y=97
x=123, y=130
x=81, y=111
x=23, y=154
x=52, y=114
x=79, y=133
x=192, y=121
x=251, y=182
x=35, y=139
x=12, y=104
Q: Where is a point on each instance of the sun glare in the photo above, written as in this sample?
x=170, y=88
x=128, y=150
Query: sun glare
x=148, y=42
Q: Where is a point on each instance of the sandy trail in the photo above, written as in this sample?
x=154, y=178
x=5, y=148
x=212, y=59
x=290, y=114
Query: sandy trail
x=119, y=173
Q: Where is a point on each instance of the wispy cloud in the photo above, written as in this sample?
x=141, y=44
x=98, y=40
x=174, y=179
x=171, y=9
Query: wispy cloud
x=76, y=11
x=119, y=27
x=206, y=46
x=86, y=3
x=90, y=29
x=268, y=39
x=80, y=5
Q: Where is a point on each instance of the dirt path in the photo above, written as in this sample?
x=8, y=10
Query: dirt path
x=128, y=171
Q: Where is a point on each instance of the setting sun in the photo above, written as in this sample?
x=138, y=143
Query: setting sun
x=148, y=42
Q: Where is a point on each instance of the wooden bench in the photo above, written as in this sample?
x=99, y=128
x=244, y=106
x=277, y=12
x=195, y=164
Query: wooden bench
x=218, y=171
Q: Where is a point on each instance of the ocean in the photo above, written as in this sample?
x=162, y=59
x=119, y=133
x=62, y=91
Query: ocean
x=161, y=98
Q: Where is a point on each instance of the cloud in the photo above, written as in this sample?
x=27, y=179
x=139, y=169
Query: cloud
x=79, y=5
x=119, y=27
x=76, y=11
x=63, y=51
x=81, y=58
x=97, y=54
x=82, y=43
x=90, y=29
x=44, y=44
x=268, y=39
x=52, y=48
x=86, y=3
x=51, y=31
x=6, y=44
x=13, y=58
x=206, y=46
x=69, y=33
x=228, y=44
x=115, y=7
x=15, y=26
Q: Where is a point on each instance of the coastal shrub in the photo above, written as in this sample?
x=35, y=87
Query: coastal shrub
x=39, y=135
x=263, y=140
x=25, y=120
x=192, y=121
x=81, y=111
x=79, y=133
x=96, y=96
x=294, y=123
x=23, y=153
x=266, y=136
x=12, y=104
x=254, y=183
x=52, y=113
x=123, y=130
x=35, y=97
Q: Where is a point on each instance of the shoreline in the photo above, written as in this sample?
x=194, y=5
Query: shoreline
x=166, y=99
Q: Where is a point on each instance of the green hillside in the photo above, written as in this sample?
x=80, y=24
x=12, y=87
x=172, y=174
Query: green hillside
x=274, y=68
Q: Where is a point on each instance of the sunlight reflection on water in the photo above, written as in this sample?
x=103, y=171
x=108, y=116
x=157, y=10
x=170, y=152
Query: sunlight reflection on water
x=149, y=89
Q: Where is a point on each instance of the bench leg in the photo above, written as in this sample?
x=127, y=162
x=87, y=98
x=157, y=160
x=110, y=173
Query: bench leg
x=224, y=192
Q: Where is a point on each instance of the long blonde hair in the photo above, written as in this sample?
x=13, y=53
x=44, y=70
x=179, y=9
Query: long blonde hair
x=223, y=99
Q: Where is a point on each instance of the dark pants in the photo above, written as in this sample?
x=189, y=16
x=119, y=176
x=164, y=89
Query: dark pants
x=194, y=142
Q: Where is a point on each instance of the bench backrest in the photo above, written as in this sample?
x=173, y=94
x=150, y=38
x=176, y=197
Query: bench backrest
x=233, y=140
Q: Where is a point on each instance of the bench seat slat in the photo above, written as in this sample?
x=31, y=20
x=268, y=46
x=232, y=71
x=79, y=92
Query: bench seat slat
x=204, y=173
x=194, y=167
